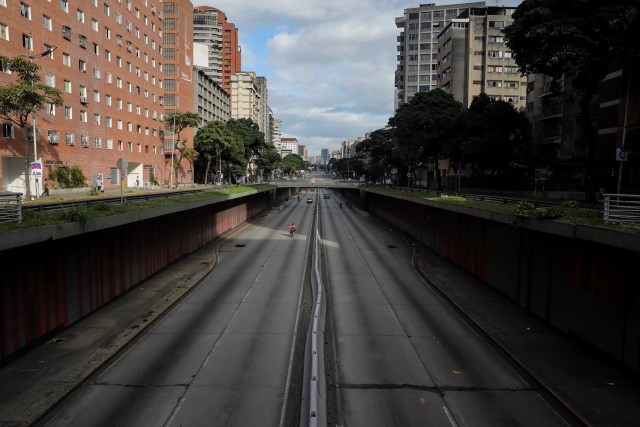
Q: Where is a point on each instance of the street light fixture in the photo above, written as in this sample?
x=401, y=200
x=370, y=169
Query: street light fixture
x=35, y=139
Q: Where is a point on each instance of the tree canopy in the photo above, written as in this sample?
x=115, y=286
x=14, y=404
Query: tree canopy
x=27, y=95
x=581, y=40
x=213, y=140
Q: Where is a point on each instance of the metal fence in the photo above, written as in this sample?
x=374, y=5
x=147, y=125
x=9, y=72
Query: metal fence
x=10, y=207
x=622, y=208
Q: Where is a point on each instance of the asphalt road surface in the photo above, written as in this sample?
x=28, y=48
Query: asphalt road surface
x=224, y=355
x=230, y=353
x=402, y=356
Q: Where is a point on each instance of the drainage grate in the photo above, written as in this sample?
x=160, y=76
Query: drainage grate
x=240, y=245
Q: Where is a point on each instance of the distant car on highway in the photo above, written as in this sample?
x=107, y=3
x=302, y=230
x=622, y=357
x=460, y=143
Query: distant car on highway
x=327, y=196
x=309, y=200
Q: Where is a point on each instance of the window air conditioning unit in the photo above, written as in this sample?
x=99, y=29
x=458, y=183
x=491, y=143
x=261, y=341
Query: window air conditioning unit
x=84, y=100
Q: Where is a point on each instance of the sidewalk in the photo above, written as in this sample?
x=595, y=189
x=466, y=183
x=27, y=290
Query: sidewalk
x=590, y=386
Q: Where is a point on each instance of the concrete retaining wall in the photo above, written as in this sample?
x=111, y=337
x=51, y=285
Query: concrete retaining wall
x=583, y=281
x=53, y=276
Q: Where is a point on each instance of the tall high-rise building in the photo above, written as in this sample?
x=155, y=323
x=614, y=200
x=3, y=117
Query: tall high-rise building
x=324, y=154
x=224, y=56
x=417, y=47
x=178, y=82
x=245, y=97
x=106, y=58
x=264, y=110
x=276, y=137
x=473, y=58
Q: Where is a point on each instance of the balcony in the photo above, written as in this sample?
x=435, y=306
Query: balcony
x=84, y=100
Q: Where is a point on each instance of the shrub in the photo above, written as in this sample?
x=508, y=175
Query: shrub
x=68, y=176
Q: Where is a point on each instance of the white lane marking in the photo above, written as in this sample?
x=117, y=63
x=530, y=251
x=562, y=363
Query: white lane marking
x=448, y=414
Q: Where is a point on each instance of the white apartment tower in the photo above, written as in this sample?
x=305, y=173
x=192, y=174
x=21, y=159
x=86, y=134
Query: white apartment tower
x=417, y=47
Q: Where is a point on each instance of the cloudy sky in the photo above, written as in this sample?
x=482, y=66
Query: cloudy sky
x=329, y=64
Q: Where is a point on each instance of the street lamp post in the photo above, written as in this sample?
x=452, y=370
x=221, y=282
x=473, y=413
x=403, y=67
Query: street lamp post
x=35, y=136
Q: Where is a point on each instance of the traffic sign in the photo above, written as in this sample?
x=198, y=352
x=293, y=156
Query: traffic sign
x=36, y=168
x=622, y=155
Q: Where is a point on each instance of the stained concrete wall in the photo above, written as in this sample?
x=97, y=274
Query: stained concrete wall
x=582, y=280
x=55, y=275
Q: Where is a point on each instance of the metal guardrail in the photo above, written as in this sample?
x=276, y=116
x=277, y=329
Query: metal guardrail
x=110, y=200
x=10, y=207
x=622, y=208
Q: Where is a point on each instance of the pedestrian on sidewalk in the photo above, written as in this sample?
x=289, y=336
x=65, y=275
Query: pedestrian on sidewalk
x=45, y=186
x=99, y=185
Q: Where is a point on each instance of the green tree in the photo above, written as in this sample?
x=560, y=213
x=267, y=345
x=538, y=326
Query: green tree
x=580, y=39
x=22, y=99
x=376, y=153
x=493, y=136
x=424, y=127
x=248, y=132
x=211, y=141
x=177, y=122
x=27, y=95
x=292, y=163
x=268, y=161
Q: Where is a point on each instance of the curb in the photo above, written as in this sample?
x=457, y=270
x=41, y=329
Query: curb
x=437, y=285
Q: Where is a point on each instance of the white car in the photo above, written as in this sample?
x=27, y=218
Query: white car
x=309, y=200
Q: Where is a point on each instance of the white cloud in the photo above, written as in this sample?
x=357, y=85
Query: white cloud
x=331, y=63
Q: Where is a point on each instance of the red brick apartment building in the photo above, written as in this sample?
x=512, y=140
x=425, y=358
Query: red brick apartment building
x=108, y=59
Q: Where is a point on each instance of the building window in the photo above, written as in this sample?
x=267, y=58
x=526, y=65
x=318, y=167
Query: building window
x=69, y=138
x=96, y=95
x=108, y=122
x=26, y=41
x=67, y=86
x=84, y=141
x=64, y=5
x=96, y=73
x=83, y=116
x=169, y=39
x=80, y=15
x=68, y=112
x=7, y=130
x=107, y=100
x=496, y=24
x=66, y=59
x=25, y=10
x=50, y=80
x=96, y=118
x=494, y=83
x=66, y=32
x=4, y=31
x=109, y=144
x=107, y=9
x=82, y=66
x=97, y=142
x=107, y=33
x=53, y=136
x=129, y=146
x=46, y=22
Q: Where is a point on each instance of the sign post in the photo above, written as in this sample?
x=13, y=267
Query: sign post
x=122, y=167
x=621, y=156
x=540, y=175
